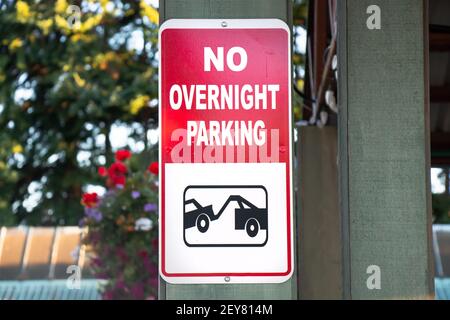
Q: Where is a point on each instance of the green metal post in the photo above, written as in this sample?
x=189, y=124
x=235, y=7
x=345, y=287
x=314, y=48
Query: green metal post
x=230, y=9
x=384, y=149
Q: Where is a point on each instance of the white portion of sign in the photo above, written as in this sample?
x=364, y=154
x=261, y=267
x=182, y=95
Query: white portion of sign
x=265, y=252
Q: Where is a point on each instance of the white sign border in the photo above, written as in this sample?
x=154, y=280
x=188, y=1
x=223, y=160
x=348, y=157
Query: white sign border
x=228, y=24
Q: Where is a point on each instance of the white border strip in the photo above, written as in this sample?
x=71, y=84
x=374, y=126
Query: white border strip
x=222, y=24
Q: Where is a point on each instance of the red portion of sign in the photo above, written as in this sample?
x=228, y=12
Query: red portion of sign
x=182, y=63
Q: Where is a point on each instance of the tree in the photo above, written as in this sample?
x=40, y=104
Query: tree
x=68, y=72
x=300, y=21
x=444, y=177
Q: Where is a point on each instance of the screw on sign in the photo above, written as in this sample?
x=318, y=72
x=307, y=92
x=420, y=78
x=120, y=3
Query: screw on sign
x=226, y=168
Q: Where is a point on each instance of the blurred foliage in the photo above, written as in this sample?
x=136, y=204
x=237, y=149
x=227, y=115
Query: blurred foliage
x=68, y=71
x=441, y=208
x=441, y=202
x=300, y=12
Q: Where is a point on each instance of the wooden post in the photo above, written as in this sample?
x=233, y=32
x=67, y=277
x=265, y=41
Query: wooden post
x=320, y=35
x=319, y=253
x=219, y=9
x=384, y=149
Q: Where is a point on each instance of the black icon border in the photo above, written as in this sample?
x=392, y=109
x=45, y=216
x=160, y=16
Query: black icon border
x=225, y=187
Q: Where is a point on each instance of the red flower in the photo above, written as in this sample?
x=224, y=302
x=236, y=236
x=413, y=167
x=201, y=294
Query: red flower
x=102, y=171
x=122, y=254
x=117, y=169
x=153, y=168
x=122, y=155
x=90, y=199
x=155, y=245
x=143, y=254
x=108, y=295
x=118, y=181
x=116, y=173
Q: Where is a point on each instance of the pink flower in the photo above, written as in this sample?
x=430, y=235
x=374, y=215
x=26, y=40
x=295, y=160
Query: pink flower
x=143, y=254
x=108, y=295
x=120, y=284
x=122, y=254
x=138, y=291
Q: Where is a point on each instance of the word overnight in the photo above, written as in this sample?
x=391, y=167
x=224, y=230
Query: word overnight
x=224, y=97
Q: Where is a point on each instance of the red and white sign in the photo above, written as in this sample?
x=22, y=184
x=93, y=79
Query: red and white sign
x=225, y=151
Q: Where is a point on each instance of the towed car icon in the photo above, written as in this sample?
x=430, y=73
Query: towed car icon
x=199, y=217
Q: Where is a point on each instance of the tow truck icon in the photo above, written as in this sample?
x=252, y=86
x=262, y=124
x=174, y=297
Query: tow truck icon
x=247, y=216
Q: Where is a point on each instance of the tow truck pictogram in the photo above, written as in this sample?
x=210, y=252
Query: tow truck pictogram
x=248, y=217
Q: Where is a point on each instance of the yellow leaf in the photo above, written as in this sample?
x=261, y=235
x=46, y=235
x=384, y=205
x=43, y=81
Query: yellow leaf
x=61, y=6
x=15, y=44
x=300, y=84
x=129, y=12
x=45, y=25
x=81, y=37
x=138, y=103
x=102, y=60
x=149, y=12
x=78, y=80
x=61, y=23
x=103, y=4
x=87, y=38
x=3, y=204
x=23, y=12
x=17, y=148
x=90, y=23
